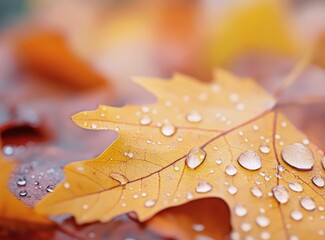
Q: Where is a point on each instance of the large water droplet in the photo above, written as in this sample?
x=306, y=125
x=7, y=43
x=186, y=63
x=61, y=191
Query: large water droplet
x=294, y=186
x=281, y=194
x=264, y=149
x=195, y=157
x=250, y=160
x=240, y=210
x=194, y=117
x=149, y=203
x=256, y=192
x=296, y=215
x=308, y=203
x=262, y=221
x=299, y=156
x=145, y=120
x=318, y=181
x=21, y=181
x=168, y=129
x=231, y=170
x=203, y=187
x=119, y=177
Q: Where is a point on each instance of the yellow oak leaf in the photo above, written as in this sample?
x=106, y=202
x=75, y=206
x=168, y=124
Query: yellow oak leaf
x=224, y=139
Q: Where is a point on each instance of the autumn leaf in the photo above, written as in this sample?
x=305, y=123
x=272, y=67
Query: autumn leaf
x=225, y=139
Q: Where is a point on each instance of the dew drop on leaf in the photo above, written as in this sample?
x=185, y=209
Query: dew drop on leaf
x=280, y=168
x=231, y=170
x=250, y=160
x=21, y=181
x=145, y=120
x=281, y=194
x=232, y=190
x=168, y=129
x=194, y=117
x=195, y=157
x=256, y=192
x=149, y=203
x=119, y=177
x=8, y=150
x=50, y=188
x=294, y=186
x=240, y=211
x=262, y=221
x=246, y=227
x=296, y=215
x=308, y=203
x=218, y=161
x=299, y=156
x=318, y=181
x=264, y=149
x=93, y=125
x=265, y=235
x=203, y=187
x=23, y=193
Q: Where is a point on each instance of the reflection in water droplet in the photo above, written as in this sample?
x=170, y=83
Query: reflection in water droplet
x=294, y=186
x=264, y=149
x=21, y=181
x=240, y=211
x=232, y=190
x=262, y=221
x=296, y=215
x=281, y=194
x=149, y=203
x=50, y=188
x=194, y=117
x=23, y=193
x=168, y=129
x=231, y=170
x=119, y=177
x=198, y=227
x=308, y=203
x=195, y=157
x=145, y=120
x=318, y=181
x=250, y=160
x=298, y=156
x=203, y=187
x=256, y=192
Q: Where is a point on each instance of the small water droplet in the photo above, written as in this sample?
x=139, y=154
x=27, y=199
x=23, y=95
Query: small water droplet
x=21, y=181
x=240, y=211
x=176, y=168
x=280, y=168
x=256, y=192
x=322, y=160
x=231, y=170
x=8, y=150
x=66, y=185
x=296, y=215
x=119, y=177
x=305, y=141
x=149, y=203
x=265, y=235
x=198, y=227
x=240, y=106
x=294, y=186
x=93, y=125
x=144, y=194
x=298, y=156
x=135, y=196
x=232, y=190
x=264, y=149
x=50, y=188
x=262, y=221
x=218, y=161
x=308, y=203
x=195, y=157
x=23, y=193
x=246, y=227
x=203, y=187
x=250, y=160
x=168, y=129
x=256, y=127
x=85, y=206
x=281, y=194
x=318, y=181
x=145, y=120
x=180, y=139
x=189, y=196
x=194, y=117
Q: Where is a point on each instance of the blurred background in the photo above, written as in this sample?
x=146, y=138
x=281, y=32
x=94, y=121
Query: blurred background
x=60, y=57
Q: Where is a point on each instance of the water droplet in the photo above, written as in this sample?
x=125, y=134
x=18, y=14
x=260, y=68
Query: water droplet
x=194, y=117
x=298, y=156
x=119, y=177
x=256, y=192
x=85, y=206
x=198, y=227
x=246, y=227
x=21, y=181
x=231, y=170
x=250, y=160
x=195, y=157
x=322, y=160
x=145, y=120
x=233, y=97
x=305, y=141
x=8, y=150
x=232, y=190
x=265, y=235
x=218, y=161
x=296, y=215
x=262, y=221
x=308, y=203
x=93, y=125
x=23, y=193
x=176, y=168
x=66, y=185
x=91, y=235
x=240, y=211
x=294, y=186
x=318, y=181
x=50, y=188
x=203, y=187
x=189, y=196
x=135, y=196
x=144, y=194
x=240, y=106
x=264, y=149
x=168, y=129
x=280, y=168
x=149, y=203
x=180, y=139
x=281, y=194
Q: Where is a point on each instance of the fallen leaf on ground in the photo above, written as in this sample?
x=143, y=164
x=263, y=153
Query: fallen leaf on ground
x=225, y=139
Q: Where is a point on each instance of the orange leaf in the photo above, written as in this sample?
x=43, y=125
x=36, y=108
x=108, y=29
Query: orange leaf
x=222, y=140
